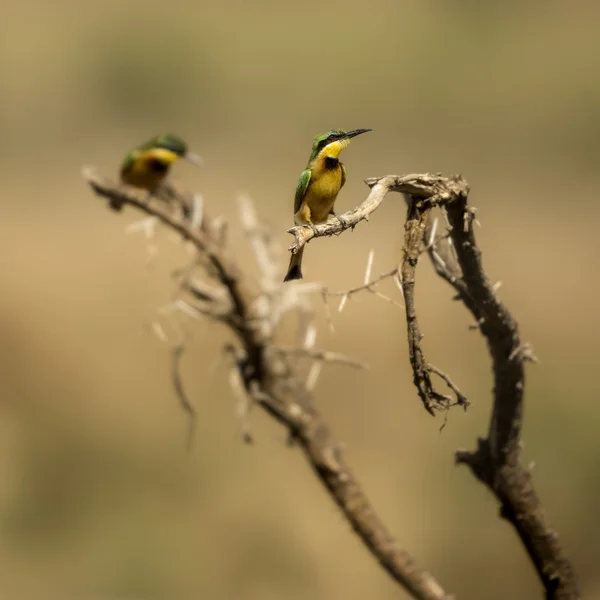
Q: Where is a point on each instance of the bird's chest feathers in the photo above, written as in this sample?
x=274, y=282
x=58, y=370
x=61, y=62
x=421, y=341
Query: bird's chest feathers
x=325, y=184
x=326, y=179
x=149, y=168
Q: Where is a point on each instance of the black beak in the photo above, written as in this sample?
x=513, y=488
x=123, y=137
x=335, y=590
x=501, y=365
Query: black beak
x=356, y=132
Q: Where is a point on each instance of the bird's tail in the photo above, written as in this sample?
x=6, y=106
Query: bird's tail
x=295, y=268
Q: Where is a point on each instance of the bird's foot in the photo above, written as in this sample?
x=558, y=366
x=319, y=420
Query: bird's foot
x=312, y=227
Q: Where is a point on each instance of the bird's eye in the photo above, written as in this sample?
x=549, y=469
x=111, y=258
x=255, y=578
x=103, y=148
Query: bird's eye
x=331, y=137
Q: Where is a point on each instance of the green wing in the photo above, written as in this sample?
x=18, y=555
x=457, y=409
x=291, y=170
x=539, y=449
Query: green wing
x=301, y=189
x=343, y=175
x=128, y=162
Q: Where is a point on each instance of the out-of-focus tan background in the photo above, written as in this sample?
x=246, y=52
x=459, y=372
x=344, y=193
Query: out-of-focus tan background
x=97, y=498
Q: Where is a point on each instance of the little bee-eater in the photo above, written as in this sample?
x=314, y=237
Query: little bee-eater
x=319, y=185
x=147, y=165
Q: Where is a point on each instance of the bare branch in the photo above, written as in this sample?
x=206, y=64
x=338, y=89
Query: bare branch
x=460, y=397
x=323, y=356
x=244, y=400
x=369, y=286
x=261, y=243
x=336, y=225
x=269, y=379
x=422, y=193
x=176, y=354
x=272, y=384
x=496, y=460
x=457, y=259
x=426, y=187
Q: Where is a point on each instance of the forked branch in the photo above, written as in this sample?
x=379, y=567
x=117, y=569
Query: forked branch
x=496, y=460
x=457, y=259
x=270, y=379
x=423, y=192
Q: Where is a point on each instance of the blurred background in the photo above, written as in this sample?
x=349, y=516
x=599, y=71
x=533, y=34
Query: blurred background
x=98, y=499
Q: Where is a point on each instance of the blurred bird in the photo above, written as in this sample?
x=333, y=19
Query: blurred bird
x=319, y=186
x=147, y=166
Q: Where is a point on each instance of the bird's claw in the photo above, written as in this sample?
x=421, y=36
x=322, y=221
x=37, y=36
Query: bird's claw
x=312, y=227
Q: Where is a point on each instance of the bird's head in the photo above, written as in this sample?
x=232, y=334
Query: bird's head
x=333, y=142
x=172, y=147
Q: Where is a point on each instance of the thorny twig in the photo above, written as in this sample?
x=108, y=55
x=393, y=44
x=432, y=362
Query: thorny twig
x=335, y=358
x=427, y=191
x=271, y=381
x=176, y=355
x=177, y=349
x=369, y=285
x=416, y=222
x=395, y=274
x=496, y=460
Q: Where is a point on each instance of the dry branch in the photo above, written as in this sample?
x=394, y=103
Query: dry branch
x=457, y=259
x=423, y=192
x=269, y=377
x=369, y=285
x=271, y=382
x=496, y=460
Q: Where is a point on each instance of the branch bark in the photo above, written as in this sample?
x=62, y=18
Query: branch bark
x=422, y=192
x=496, y=460
x=271, y=382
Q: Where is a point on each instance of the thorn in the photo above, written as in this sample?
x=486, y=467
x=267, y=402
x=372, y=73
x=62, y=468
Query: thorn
x=469, y=217
x=369, y=266
x=243, y=402
x=220, y=227
x=398, y=281
x=313, y=375
x=524, y=352
x=328, y=311
x=477, y=324
x=197, y=211
x=438, y=258
x=310, y=337
x=187, y=309
x=159, y=331
x=146, y=225
x=343, y=303
x=431, y=241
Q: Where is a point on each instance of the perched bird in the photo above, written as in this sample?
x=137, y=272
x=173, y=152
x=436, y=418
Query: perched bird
x=147, y=167
x=319, y=185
